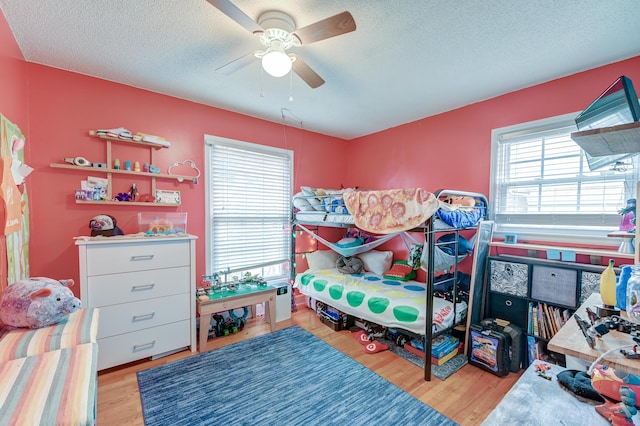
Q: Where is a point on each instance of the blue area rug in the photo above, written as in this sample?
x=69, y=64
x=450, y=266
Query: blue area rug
x=283, y=378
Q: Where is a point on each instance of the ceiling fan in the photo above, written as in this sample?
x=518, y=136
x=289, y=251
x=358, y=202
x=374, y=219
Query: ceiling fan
x=277, y=33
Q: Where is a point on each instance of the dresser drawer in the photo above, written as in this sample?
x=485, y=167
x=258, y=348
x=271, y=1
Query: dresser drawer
x=129, y=257
x=509, y=277
x=140, y=344
x=127, y=317
x=108, y=290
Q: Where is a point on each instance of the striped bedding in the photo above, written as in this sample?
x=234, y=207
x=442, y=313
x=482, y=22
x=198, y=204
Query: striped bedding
x=56, y=387
x=79, y=327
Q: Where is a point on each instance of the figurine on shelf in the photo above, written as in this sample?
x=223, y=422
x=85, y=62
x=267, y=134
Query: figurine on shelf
x=127, y=165
x=136, y=166
x=116, y=164
x=133, y=191
x=628, y=216
x=123, y=196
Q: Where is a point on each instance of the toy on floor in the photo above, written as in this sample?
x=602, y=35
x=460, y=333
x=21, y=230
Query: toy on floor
x=37, y=302
x=369, y=345
x=368, y=337
x=542, y=369
x=614, y=386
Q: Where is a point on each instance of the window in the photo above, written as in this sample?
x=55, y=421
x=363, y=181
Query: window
x=542, y=187
x=248, y=208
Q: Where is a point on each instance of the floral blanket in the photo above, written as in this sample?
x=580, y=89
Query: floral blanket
x=392, y=210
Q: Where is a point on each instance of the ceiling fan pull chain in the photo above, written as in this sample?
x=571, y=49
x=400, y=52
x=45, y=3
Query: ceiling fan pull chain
x=290, y=87
x=261, y=82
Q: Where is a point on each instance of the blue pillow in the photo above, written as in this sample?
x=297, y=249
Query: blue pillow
x=464, y=246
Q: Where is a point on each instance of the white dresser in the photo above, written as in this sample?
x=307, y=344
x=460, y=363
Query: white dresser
x=145, y=289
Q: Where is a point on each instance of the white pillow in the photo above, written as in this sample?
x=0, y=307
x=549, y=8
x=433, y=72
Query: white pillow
x=322, y=259
x=316, y=203
x=301, y=203
x=376, y=261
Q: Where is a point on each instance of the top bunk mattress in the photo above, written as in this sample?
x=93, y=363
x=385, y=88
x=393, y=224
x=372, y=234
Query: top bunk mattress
x=389, y=211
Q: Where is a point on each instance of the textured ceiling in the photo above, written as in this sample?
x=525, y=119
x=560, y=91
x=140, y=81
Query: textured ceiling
x=407, y=59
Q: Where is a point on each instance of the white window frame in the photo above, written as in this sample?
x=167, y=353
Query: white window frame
x=269, y=265
x=544, y=231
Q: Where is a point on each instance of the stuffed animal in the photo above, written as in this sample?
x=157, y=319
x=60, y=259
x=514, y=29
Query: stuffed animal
x=460, y=200
x=37, y=302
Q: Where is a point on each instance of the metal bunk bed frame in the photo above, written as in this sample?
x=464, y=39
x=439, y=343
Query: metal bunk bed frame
x=430, y=238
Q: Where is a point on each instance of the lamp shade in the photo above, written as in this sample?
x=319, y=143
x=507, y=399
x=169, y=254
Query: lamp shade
x=276, y=62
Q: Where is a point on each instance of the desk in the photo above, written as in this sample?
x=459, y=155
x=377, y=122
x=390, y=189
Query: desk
x=571, y=342
x=224, y=300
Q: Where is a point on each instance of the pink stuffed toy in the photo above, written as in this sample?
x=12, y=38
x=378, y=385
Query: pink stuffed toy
x=37, y=302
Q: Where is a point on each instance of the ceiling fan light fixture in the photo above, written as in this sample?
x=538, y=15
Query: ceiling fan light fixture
x=275, y=61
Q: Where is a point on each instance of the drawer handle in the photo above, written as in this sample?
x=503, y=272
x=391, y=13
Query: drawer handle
x=143, y=257
x=508, y=302
x=143, y=287
x=144, y=346
x=144, y=317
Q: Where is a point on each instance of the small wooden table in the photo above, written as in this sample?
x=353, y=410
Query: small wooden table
x=571, y=342
x=224, y=300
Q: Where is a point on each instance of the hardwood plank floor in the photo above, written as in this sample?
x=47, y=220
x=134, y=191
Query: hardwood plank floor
x=467, y=397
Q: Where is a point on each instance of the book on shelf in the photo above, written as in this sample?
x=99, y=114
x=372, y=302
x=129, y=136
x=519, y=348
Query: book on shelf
x=532, y=348
x=541, y=322
x=534, y=316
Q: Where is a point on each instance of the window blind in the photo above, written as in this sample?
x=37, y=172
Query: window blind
x=249, y=208
x=541, y=177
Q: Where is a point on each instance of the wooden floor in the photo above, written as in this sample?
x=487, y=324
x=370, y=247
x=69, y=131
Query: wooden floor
x=467, y=397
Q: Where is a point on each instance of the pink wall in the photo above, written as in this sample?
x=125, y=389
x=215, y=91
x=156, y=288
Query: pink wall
x=13, y=102
x=64, y=106
x=453, y=150
x=55, y=109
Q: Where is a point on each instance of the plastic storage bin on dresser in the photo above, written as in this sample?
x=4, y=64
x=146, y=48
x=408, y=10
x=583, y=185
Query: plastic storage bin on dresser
x=162, y=223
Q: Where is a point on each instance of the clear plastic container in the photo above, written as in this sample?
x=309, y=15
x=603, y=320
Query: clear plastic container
x=633, y=295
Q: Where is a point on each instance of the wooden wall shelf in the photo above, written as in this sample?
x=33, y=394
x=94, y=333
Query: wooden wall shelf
x=577, y=250
x=126, y=203
x=109, y=172
x=622, y=139
x=120, y=171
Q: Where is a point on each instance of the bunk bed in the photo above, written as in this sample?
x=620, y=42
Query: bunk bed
x=399, y=305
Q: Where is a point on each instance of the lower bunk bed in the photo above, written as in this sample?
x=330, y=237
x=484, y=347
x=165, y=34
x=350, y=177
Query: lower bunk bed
x=386, y=308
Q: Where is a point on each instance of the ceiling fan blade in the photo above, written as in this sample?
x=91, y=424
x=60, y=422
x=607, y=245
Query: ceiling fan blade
x=330, y=27
x=236, y=64
x=305, y=72
x=233, y=12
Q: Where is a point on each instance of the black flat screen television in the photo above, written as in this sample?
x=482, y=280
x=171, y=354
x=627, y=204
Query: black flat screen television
x=616, y=105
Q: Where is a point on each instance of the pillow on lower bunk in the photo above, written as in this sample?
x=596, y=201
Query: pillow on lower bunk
x=322, y=259
x=376, y=261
